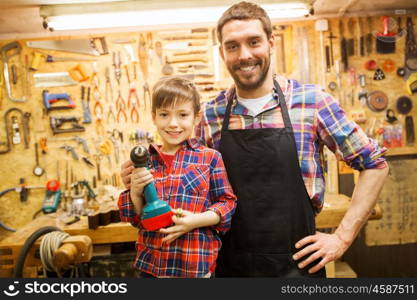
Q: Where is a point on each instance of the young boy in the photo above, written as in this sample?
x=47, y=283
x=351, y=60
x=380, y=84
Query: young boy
x=191, y=178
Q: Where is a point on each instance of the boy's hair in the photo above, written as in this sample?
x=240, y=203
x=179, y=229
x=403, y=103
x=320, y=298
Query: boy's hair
x=244, y=11
x=172, y=90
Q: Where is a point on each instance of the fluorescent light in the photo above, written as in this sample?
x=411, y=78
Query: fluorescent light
x=163, y=16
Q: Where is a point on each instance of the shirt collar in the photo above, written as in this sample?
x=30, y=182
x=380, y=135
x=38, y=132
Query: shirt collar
x=191, y=143
x=239, y=109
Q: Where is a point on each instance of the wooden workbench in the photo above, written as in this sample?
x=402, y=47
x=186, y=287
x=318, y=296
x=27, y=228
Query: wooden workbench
x=331, y=215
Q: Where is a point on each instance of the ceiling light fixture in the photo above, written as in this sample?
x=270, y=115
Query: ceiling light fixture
x=119, y=14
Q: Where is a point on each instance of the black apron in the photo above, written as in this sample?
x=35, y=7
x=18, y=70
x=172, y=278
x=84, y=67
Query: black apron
x=274, y=210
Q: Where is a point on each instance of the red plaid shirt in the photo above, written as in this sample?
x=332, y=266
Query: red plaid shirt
x=197, y=182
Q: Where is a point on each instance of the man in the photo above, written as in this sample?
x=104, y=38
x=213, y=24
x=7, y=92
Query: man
x=269, y=132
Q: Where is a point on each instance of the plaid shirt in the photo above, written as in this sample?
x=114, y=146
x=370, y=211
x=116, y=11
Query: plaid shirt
x=316, y=118
x=197, y=182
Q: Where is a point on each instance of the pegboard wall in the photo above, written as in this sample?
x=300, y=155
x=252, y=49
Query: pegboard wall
x=191, y=52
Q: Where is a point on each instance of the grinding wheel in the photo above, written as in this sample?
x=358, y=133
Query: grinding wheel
x=404, y=105
x=377, y=101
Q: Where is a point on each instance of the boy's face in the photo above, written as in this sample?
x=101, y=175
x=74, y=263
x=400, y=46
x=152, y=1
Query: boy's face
x=175, y=124
x=246, y=51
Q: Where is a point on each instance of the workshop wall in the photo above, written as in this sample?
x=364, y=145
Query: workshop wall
x=146, y=56
x=298, y=55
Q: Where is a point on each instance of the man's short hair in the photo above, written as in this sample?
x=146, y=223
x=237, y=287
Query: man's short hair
x=244, y=11
x=170, y=91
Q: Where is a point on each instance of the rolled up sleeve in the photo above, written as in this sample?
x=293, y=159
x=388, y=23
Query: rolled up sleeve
x=346, y=138
x=127, y=210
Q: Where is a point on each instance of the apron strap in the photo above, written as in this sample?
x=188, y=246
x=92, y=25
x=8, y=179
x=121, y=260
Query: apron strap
x=281, y=103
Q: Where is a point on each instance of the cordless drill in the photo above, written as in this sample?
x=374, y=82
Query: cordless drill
x=156, y=213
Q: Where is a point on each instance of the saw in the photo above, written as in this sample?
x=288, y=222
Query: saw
x=84, y=46
x=53, y=79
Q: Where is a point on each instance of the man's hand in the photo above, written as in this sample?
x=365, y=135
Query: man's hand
x=184, y=220
x=328, y=247
x=126, y=171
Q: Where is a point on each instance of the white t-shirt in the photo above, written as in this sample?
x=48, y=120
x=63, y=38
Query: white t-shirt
x=254, y=106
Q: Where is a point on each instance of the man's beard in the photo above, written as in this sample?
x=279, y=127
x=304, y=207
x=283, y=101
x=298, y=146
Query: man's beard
x=262, y=76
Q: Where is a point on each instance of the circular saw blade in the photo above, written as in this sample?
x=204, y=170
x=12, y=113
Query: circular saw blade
x=377, y=101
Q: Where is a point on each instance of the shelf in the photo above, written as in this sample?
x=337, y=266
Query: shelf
x=402, y=151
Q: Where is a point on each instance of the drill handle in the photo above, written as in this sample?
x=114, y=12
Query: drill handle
x=150, y=193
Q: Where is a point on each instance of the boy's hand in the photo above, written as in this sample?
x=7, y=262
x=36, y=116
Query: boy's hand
x=126, y=171
x=139, y=178
x=184, y=220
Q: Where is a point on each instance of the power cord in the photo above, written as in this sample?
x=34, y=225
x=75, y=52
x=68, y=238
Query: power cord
x=50, y=243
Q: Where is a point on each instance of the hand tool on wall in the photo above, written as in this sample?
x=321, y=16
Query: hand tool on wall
x=24, y=123
x=52, y=197
x=143, y=56
x=54, y=79
x=385, y=40
x=88, y=161
x=350, y=42
x=158, y=50
x=37, y=170
x=156, y=213
x=79, y=73
x=22, y=189
x=86, y=107
x=409, y=130
x=377, y=101
x=14, y=74
x=369, y=37
x=98, y=159
x=182, y=45
x=404, y=105
x=411, y=84
x=149, y=42
x=15, y=131
x=117, y=64
x=343, y=48
x=410, y=47
x=93, y=46
x=57, y=123
x=186, y=37
x=7, y=52
x=38, y=56
x=361, y=38
x=188, y=59
x=109, y=88
x=49, y=99
x=167, y=69
x=147, y=99
x=132, y=57
x=70, y=149
x=331, y=37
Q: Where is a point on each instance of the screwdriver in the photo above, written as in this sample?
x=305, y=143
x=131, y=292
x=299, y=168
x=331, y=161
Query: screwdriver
x=50, y=58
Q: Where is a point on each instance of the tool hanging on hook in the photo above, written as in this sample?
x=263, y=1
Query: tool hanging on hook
x=24, y=118
x=15, y=49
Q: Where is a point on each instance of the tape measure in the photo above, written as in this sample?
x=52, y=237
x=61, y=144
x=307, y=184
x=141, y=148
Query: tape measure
x=377, y=101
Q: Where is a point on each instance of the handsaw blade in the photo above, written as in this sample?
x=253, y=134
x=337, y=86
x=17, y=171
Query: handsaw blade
x=53, y=79
x=83, y=46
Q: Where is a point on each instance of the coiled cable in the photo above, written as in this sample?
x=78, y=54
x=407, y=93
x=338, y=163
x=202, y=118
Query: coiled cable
x=50, y=243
